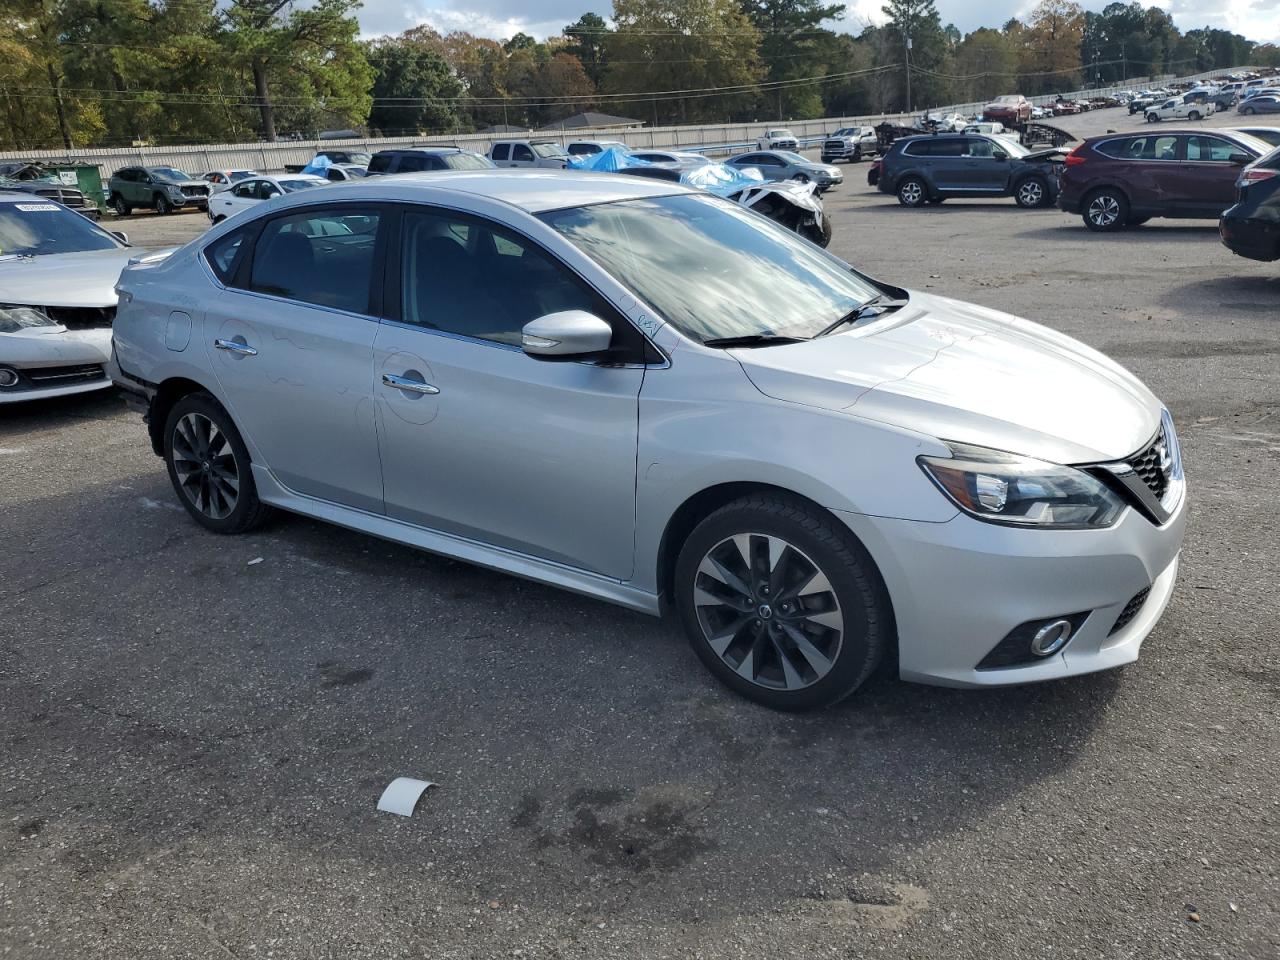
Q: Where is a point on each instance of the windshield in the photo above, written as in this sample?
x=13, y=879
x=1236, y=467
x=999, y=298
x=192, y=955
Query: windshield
x=355, y=171
x=466, y=161
x=1009, y=99
x=292, y=185
x=714, y=269
x=545, y=149
x=169, y=173
x=238, y=175
x=40, y=227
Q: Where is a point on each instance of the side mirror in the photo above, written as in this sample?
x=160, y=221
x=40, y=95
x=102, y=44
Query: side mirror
x=566, y=335
x=1240, y=159
x=999, y=154
x=273, y=192
x=121, y=236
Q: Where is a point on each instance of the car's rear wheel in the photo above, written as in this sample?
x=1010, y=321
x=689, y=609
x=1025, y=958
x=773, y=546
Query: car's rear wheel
x=1106, y=210
x=209, y=466
x=121, y=205
x=1031, y=192
x=912, y=192
x=782, y=603
x=1193, y=115
x=163, y=206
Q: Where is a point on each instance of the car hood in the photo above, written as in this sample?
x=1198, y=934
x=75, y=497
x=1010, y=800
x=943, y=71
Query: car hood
x=64, y=279
x=966, y=373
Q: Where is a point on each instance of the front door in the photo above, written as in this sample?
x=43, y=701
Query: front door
x=1206, y=179
x=477, y=438
x=982, y=172
x=291, y=342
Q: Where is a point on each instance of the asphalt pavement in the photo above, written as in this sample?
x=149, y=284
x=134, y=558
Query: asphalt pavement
x=195, y=730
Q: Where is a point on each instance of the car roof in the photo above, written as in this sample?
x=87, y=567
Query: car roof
x=531, y=190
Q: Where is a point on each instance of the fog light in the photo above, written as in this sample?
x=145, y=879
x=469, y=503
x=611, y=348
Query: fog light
x=1051, y=638
x=8, y=378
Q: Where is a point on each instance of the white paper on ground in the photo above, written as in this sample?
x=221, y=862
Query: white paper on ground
x=402, y=794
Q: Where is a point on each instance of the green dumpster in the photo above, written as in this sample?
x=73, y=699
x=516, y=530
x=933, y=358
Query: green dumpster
x=83, y=176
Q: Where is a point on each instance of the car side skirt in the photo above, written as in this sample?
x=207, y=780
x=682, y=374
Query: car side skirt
x=271, y=491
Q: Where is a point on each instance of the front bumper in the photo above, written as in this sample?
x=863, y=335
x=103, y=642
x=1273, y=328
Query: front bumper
x=960, y=587
x=56, y=364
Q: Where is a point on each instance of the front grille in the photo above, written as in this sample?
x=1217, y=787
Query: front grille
x=71, y=198
x=1130, y=610
x=195, y=191
x=1147, y=465
x=59, y=376
x=82, y=318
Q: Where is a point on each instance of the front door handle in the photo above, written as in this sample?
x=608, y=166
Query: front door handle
x=238, y=347
x=413, y=386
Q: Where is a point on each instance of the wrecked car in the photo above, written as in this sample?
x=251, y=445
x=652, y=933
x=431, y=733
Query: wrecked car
x=793, y=204
x=58, y=272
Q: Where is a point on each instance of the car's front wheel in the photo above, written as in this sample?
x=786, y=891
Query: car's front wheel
x=1106, y=210
x=1031, y=192
x=1152, y=118
x=209, y=466
x=1248, y=111
x=163, y=206
x=912, y=192
x=782, y=603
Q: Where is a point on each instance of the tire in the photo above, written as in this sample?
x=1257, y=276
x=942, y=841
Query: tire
x=122, y=207
x=801, y=178
x=1152, y=118
x=163, y=206
x=218, y=219
x=1105, y=210
x=1031, y=192
x=1193, y=115
x=209, y=466
x=811, y=626
x=913, y=192
x=1248, y=111
x=857, y=155
x=819, y=234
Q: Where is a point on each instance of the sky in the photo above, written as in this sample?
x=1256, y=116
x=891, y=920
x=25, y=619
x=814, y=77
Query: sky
x=1256, y=19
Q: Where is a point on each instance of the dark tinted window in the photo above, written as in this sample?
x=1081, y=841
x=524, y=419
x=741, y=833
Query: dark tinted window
x=322, y=256
x=501, y=151
x=583, y=149
x=380, y=163
x=520, y=152
x=223, y=254
x=937, y=147
x=1113, y=148
x=415, y=162
x=1141, y=148
x=466, y=277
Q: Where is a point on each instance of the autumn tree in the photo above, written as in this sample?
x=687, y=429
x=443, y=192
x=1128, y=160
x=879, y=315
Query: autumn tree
x=1051, y=47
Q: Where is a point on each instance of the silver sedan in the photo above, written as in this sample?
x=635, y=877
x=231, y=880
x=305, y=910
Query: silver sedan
x=785, y=165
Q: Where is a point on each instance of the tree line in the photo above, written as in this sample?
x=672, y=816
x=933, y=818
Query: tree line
x=82, y=73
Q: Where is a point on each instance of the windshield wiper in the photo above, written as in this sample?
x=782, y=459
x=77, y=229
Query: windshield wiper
x=875, y=306
x=752, y=340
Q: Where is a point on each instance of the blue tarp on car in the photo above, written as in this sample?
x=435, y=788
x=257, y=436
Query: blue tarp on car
x=718, y=178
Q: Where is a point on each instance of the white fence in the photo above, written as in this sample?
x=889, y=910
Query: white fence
x=711, y=138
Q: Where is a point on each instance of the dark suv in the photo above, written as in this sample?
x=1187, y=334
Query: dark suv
x=418, y=159
x=930, y=169
x=1123, y=180
x=1251, y=228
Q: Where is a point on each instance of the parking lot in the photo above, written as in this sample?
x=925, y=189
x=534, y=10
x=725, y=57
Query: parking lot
x=195, y=730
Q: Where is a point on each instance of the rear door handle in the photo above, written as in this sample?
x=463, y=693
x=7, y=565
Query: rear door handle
x=238, y=347
x=404, y=383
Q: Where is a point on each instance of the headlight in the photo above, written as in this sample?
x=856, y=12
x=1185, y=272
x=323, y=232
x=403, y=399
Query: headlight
x=13, y=319
x=1019, y=491
x=174, y=190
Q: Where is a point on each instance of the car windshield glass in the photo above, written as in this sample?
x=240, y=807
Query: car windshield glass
x=238, y=175
x=292, y=185
x=548, y=150
x=714, y=269
x=466, y=161
x=169, y=173
x=31, y=229
x=355, y=172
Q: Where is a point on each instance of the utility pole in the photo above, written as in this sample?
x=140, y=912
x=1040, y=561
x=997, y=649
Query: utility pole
x=908, y=71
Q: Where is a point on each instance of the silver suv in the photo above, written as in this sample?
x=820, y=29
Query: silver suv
x=570, y=379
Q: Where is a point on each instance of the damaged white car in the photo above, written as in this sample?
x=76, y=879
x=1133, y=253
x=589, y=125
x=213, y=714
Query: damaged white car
x=58, y=272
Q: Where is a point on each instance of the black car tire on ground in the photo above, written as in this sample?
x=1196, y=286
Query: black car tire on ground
x=163, y=206
x=813, y=544
x=121, y=205
x=1248, y=111
x=1105, y=210
x=216, y=461
x=1193, y=115
x=1031, y=192
x=913, y=192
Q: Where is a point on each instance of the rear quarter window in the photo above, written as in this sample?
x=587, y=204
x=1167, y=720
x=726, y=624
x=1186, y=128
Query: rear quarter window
x=224, y=254
x=501, y=151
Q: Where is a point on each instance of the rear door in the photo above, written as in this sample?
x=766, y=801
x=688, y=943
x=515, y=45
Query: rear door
x=1148, y=174
x=291, y=342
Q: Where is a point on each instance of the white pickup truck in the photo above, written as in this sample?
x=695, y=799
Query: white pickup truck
x=1179, y=108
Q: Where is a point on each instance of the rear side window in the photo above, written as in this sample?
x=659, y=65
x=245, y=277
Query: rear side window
x=414, y=162
x=501, y=151
x=380, y=163
x=322, y=256
x=223, y=255
x=1141, y=148
x=582, y=149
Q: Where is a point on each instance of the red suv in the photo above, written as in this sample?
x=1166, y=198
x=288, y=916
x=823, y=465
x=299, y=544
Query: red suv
x=1122, y=180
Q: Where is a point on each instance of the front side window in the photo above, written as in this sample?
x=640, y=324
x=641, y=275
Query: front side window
x=322, y=256
x=1211, y=149
x=979, y=148
x=501, y=151
x=470, y=278
x=522, y=153
x=713, y=269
